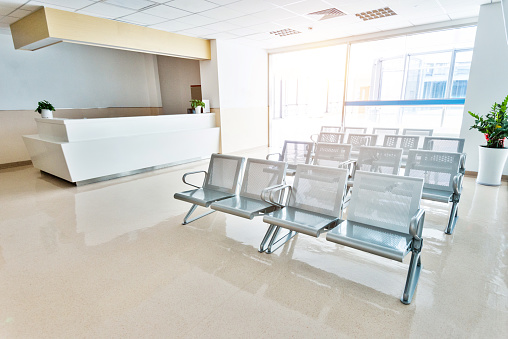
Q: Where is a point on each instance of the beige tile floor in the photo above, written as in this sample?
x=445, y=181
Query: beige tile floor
x=111, y=260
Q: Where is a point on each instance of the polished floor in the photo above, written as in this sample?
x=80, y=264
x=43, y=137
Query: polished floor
x=112, y=260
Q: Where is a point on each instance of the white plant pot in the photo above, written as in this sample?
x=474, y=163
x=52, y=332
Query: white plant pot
x=46, y=114
x=491, y=165
x=197, y=110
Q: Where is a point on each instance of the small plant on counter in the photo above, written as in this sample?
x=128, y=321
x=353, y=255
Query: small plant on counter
x=44, y=105
x=196, y=103
x=494, y=125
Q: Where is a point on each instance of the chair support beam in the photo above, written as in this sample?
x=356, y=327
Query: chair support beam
x=191, y=210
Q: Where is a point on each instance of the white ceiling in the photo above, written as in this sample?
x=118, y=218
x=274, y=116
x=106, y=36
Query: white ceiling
x=251, y=21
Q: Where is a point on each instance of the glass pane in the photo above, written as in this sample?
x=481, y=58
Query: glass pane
x=461, y=74
x=427, y=76
x=392, y=76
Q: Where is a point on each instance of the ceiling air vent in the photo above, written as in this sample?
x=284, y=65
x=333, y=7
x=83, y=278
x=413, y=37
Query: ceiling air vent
x=285, y=32
x=376, y=14
x=329, y=13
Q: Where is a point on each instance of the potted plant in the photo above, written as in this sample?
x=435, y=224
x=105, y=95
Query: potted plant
x=493, y=155
x=45, y=109
x=196, y=105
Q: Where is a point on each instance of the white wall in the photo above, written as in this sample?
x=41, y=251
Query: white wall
x=243, y=89
x=176, y=75
x=488, y=77
x=210, y=77
x=76, y=76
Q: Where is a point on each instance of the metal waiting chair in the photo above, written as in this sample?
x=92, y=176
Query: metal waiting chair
x=314, y=205
x=294, y=153
x=382, y=131
x=355, y=130
x=221, y=182
x=421, y=132
x=331, y=155
x=406, y=142
x=259, y=174
x=384, y=218
x=331, y=129
x=443, y=180
x=330, y=137
x=446, y=144
x=356, y=140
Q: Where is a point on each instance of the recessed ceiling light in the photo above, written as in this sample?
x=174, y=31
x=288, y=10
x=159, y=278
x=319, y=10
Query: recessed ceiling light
x=376, y=14
x=285, y=32
x=329, y=13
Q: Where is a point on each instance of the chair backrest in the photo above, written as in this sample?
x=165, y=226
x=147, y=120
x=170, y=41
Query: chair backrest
x=318, y=189
x=361, y=139
x=355, y=130
x=224, y=173
x=406, y=142
x=260, y=174
x=331, y=155
x=385, y=201
x=297, y=152
x=331, y=137
x=382, y=131
x=418, y=131
x=332, y=129
x=436, y=168
x=379, y=159
x=444, y=144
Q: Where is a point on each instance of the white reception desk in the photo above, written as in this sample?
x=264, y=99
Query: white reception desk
x=88, y=150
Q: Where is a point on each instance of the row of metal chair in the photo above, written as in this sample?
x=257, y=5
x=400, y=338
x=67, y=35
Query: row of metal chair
x=378, y=130
x=384, y=215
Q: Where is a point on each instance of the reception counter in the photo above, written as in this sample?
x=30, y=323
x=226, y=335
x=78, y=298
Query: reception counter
x=88, y=150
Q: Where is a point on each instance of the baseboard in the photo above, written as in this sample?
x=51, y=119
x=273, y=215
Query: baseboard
x=473, y=174
x=16, y=164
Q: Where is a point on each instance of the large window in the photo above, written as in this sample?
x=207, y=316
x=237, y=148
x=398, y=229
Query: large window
x=415, y=80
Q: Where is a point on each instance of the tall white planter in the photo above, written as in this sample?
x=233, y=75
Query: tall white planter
x=491, y=165
x=46, y=114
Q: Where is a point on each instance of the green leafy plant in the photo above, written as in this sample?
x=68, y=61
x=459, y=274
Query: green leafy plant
x=44, y=105
x=196, y=103
x=494, y=125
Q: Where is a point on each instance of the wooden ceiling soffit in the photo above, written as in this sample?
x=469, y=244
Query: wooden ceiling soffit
x=49, y=26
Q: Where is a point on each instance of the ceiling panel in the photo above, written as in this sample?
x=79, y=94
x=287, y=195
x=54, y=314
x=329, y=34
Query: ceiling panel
x=173, y=26
x=166, y=12
x=131, y=4
x=106, y=11
x=221, y=13
x=194, y=6
x=72, y=4
x=143, y=19
x=250, y=6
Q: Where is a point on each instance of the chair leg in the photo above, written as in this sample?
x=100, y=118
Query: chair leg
x=191, y=210
x=452, y=221
x=415, y=266
x=265, y=238
x=280, y=241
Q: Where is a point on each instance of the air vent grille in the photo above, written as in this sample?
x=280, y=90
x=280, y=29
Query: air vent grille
x=376, y=14
x=329, y=13
x=285, y=32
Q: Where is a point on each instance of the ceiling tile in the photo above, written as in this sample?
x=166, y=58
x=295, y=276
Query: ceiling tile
x=35, y=5
x=297, y=21
x=197, y=20
x=6, y=10
x=131, y=4
x=259, y=36
x=20, y=13
x=221, y=13
x=248, y=20
x=106, y=11
x=173, y=26
x=197, y=31
x=283, y=2
x=143, y=19
x=12, y=3
x=308, y=6
x=223, y=2
x=267, y=27
x=72, y=4
x=429, y=19
x=243, y=31
x=275, y=14
x=220, y=35
x=221, y=26
x=464, y=14
x=194, y=6
x=167, y=12
x=8, y=20
x=250, y=6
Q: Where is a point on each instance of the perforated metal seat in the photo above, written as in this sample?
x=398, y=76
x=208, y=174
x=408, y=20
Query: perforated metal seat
x=314, y=205
x=406, y=142
x=332, y=129
x=384, y=218
x=331, y=155
x=221, y=181
x=382, y=132
x=421, y=132
x=355, y=130
x=443, y=180
x=356, y=140
x=294, y=153
x=329, y=137
x=377, y=159
x=445, y=144
x=259, y=175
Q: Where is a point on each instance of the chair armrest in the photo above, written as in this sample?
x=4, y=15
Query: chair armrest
x=268, y=156
x=189, y=173
x=462, y=167
x=350, y=165
x=457, y=183
x=312, y=137
x=267, y=195
x=416, y=224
